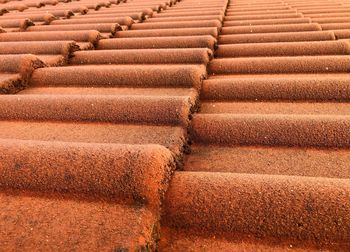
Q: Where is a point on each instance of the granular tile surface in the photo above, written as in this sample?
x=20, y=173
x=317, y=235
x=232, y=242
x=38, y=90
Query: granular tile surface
x=168, y=125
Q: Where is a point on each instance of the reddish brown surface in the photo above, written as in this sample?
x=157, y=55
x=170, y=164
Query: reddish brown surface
x=277, y=87
x=277, y=37
x=52, y=222
x=132, y=174
x=122, y=21
x=284, y=49
x=117, y=109
x=169, y=136
x=213, y=31
x=66, y=48
x=259, y=205
x=144, y=56
x=257, y=65
x=121, y=75
x=279, y=160
x=112, y=97
x=159, y=42
x=268, y=171
x=78, y=36
x=270, y=28
x=269, y=21
x=103, y=28
x=188, y=241
x=177, y=24
x=68, y=163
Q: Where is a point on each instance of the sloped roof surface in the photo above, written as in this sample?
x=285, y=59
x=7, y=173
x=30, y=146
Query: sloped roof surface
x=165, y=125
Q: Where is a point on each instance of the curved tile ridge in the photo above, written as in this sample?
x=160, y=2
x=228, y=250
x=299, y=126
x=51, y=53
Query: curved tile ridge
x=52, y=53
x=22, y=64
x=98, y=108
x=302, y=64
x=108, y=28
x=15, y=71
x=16, y=24
x=338, y=47
x=277, y=37
x=144, y=56
x=274, y=129
x=128, y=174
x=205, y=41
x=43, y=49
x=261, y=206
x=89, y=36
x=128, y=21
x=47, y=15
x=45, y=18
x=39, y=43
x=121, y=75
x=301, y=87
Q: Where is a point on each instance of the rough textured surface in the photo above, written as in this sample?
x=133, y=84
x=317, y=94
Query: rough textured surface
x=273, y=129
x=284, y=49
x=173, y=240
x=121, y=75
x=271, y=28
x=79, y=36
x=104, y=27
x=277, y=37
x=88, y=149
x=268, y=170
x=305, y=64
x=109, y=99
x=144, y=56
x=213, y=31
x=159, y=42
x=35, y=221
x=169, y=136
x=222, y=202
x=65, y=48
x=133, y=174
x=307, y=87
x=15, y=71
x=277, y=160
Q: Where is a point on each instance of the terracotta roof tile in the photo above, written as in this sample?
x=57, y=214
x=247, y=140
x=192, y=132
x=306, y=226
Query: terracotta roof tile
x=15, y=24
x=91, y=19
x=285, y=49
x=91, y=36
x=127, y=226
x=144, y=56
x=64, y=48
x=111, y=28
x=236, y=191
x=268, y=22
x=120, y=75
x=213, y=31
x=271, y=131
x=277, y=37
x=204, y=41
x=166, y=125
x=15, y=71
x=278, y=87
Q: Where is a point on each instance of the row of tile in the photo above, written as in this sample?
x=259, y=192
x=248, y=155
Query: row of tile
x=56, y=47
x=19, y=21
x=92, y=142
x=268, y=165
